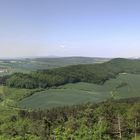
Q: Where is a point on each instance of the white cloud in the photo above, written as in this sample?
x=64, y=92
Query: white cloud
x=62, y=46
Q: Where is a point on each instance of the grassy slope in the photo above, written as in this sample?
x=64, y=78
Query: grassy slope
x=10, y=96
x=84, y=92
x=59, y=97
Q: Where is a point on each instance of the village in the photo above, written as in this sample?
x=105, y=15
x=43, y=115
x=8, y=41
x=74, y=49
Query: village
x=3, y=70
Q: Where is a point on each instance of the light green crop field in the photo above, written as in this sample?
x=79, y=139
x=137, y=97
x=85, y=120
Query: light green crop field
x=60, y=97
x=124, y=86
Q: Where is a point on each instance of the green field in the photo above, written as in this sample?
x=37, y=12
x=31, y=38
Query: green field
x=138, y=138
x=124, y=86
x=10, y=96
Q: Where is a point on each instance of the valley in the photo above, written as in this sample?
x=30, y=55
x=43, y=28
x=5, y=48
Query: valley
x=71, y=102
x=70, y=70
x=31, y=64
x=79, y=93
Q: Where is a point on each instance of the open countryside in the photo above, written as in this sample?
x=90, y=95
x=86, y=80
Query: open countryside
x=70, y=70
x=124, y=86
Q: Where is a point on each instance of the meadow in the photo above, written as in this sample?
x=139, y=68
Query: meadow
x=124, y=86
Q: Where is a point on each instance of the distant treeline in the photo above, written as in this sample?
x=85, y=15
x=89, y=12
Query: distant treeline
x=91, y=73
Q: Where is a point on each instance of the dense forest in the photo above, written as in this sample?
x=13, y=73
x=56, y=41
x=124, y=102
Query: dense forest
x=92, y=73
x=110, y=120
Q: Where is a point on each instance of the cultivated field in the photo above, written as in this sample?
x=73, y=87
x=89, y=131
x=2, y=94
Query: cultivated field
x=124, y=86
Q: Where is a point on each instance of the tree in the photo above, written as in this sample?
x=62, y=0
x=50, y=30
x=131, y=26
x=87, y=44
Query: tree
x=134, y=118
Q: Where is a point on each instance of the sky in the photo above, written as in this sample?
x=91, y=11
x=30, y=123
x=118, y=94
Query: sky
x=94, y=28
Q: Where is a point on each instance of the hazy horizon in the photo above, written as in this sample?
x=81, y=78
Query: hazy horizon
x=88, y=28
x=51, y=57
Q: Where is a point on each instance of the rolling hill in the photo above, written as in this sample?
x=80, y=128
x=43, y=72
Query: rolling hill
x=30, y=64
x=79, y=93
x=90, y=73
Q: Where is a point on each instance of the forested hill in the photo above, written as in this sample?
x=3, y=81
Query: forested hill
x=92, y=73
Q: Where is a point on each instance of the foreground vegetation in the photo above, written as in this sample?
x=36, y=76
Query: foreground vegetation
x=105, y=121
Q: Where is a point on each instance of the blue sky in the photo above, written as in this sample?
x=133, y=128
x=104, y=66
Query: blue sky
x=96, y=28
